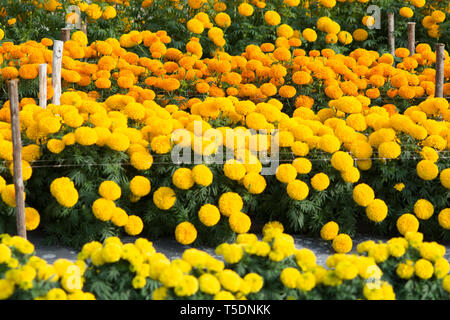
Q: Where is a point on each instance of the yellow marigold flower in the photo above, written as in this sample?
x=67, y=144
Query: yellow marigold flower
x=272, y=18
x=300, y=149
x=309, y=35
x=9, y=73
x=5, y=253
x=342, y=243
x=287, y=91
x=195, y=26
x=63, y=189
x=27, y=171
x=109, y=190
x=406, y=12
x=443, y=218
x=377, y=210
x=209, y=284
x=196, y=4
x=363, y=194
x=223, y=20
x=140, y=186
x=441, y=268
x=32, y=218
x=302, y=165
x=239, y=222
x=407, y=223
x=402, y=52
x=329, y=143
x=134, y=225
x=282, y=54
x=254, y=182
x=289, y=277
x=141, y=160
x=345, y=37
x=405, y=270
x=161, y=144
x=234, y=169
x=28, y=71
x=320, y=181
x=185, y=233
x=85, y=136
x=428, y=153
x=182, y=178
x=109, y=13
x=139, y=282
x=427, y=170
x=255, y=281
x=111, y=252
x=119, y=217
x=360, y=34
x=399, y=186
x=118, y=141
x=245, y=9
x=346, y=270
x=297, y=190
x=232, y=253
x=164, y=198
x=56, y=294
x=423, y=209
x=438, y=16
x=423, y=269
x=389, y=150
x=229, y=203
x=347, y=104
x=341, y=161
x=188, y=286
x=286, y=173
x=209, y=215
x=103, y=209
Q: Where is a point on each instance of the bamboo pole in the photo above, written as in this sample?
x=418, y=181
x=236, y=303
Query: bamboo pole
x=439, y=84
x=43, y=85
x=391, y=28
x=17, y=157
x=56, y=71
x=65, y=34
x=412, y=38
x=84, y=27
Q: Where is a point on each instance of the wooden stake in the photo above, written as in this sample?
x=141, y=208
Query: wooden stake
x=43, y=86
x=17, y=157
x=84, y=27
x=440, y=56
x=56, y=71
x=391, y=38
x=65, y=34
x=412, y=38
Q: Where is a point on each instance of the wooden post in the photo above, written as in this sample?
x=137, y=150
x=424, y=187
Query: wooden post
x=391, y=38
x=17, y=157
x=56, y=71
x=84, y=27
x=65, y=34
x=439, y=84
x=43, y=86
x=412, y=38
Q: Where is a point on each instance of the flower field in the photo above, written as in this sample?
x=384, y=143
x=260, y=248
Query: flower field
x=216, y=121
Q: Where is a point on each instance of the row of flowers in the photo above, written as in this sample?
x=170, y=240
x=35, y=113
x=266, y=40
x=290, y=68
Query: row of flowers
x=233, y=24
x=145, y=66
x=271, y=268
x=325, y=155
